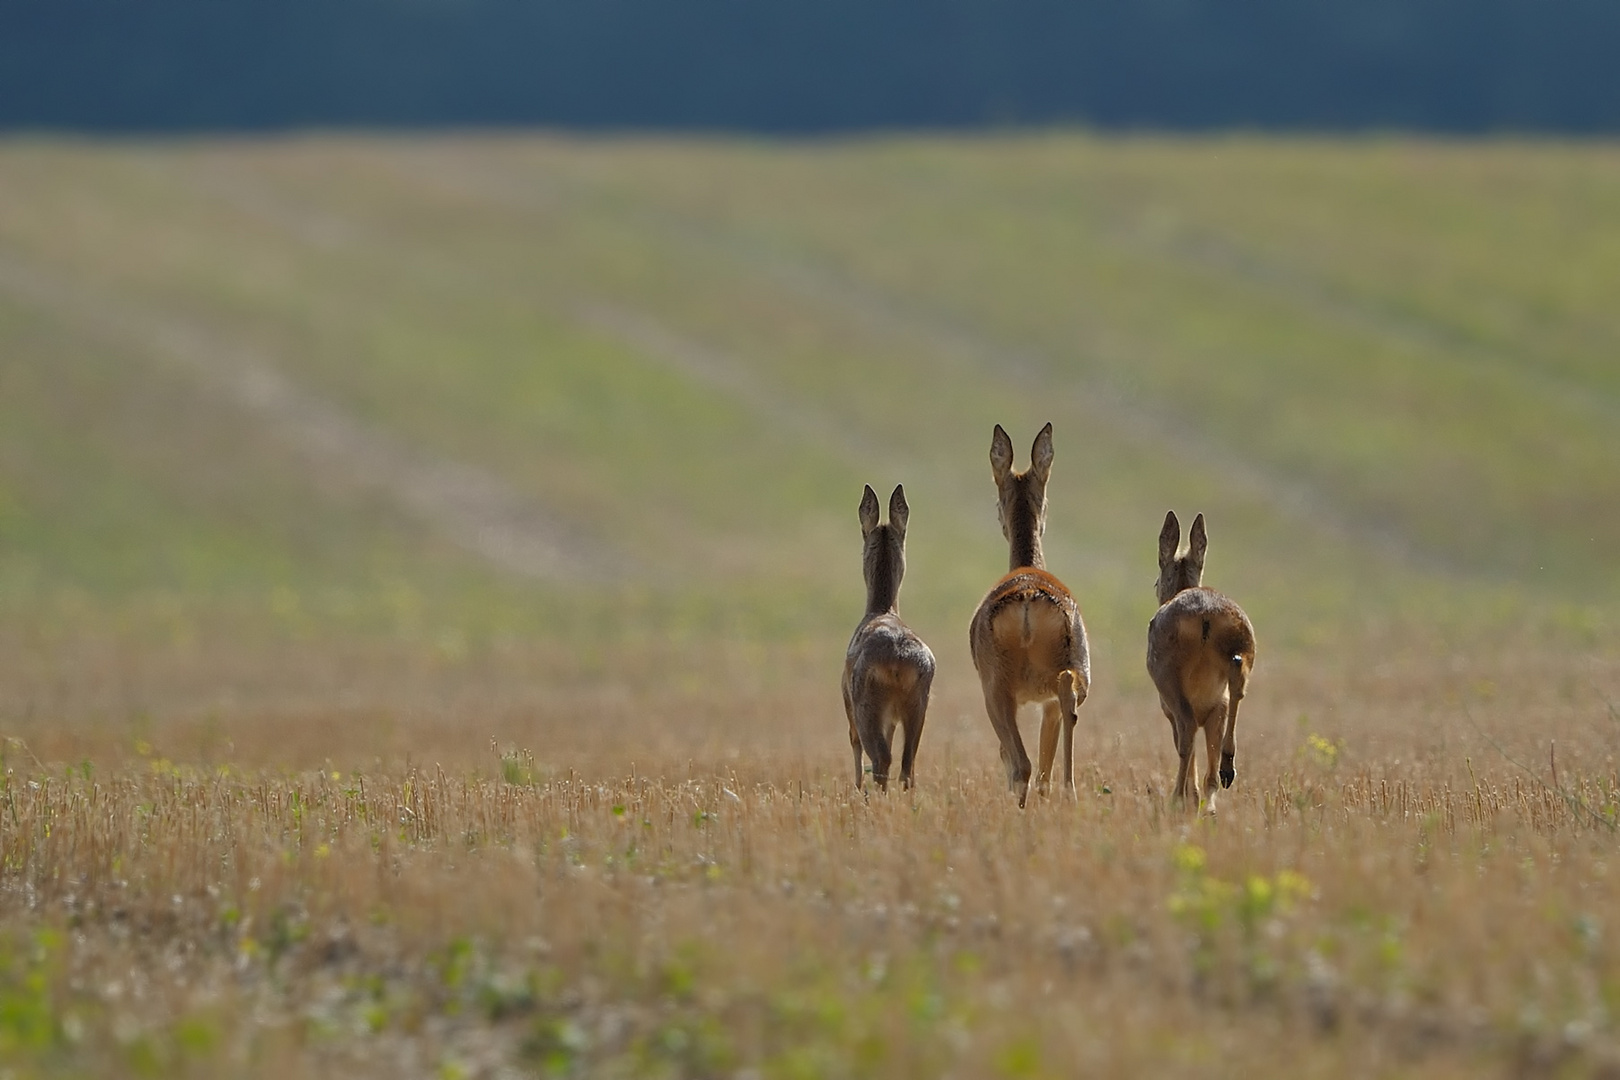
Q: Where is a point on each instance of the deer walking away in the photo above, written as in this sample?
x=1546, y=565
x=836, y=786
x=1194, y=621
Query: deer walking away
x=1200, y=653
x=888, y=671
x=1027, y=637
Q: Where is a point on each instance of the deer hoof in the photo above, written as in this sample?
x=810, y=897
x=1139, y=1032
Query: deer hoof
x=1228, y=774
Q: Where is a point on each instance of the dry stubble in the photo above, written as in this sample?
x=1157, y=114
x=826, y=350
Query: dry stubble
x=1383, y=890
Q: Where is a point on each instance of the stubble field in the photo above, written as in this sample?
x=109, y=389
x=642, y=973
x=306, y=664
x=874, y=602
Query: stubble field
x=425, y=568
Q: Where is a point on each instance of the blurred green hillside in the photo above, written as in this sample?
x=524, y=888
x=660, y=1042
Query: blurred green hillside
x=578, y=391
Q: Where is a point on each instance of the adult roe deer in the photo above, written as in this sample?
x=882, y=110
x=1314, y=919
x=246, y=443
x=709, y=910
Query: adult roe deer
x=1028, y=640
x=1200, y=653
x=887, y=669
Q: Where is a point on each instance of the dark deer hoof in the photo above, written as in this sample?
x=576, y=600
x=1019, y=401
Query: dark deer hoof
x=1228, y=774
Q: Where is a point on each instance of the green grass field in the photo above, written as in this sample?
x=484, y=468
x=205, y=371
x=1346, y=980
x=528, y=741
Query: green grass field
x=518, y=475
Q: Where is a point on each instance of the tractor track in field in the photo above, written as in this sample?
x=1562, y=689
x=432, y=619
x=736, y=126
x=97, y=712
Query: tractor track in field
x=731, y=375
x=1310, y=293
x=467, y=505
x=1139, y=422
x=1148, y=424
x=650, y=338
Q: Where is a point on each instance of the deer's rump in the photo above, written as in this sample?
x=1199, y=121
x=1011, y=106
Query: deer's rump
x=885, y=651
x=1195, y=640
x=1029, y=628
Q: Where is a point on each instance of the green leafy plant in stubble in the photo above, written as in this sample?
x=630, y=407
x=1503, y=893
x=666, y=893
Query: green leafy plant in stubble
x=902, y=1014
x=1321, y=752
x=556, y=1045
x=1305, y=788
x=518, y=767
x=47, y=1028
x=689, y=1014
x=1363, y=947
x=30, y=1027
x=1236, y=928
x=687, y=1044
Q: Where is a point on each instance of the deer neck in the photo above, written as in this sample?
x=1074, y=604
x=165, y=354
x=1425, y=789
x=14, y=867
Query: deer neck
x=1024, y=538
x=1027, y=554
x=883, y=573
x=1181, y=582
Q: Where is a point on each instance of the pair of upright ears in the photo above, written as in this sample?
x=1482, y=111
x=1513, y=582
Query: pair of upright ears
x=1170, y=540
x=899, y=512
x=1040, y=455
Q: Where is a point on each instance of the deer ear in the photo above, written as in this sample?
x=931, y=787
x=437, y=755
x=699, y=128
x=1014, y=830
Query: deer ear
x=869, y=512
x=1169, y=540
x=1197, y=541
x=1001, y=455
x=1040, y=454
x=899, y=512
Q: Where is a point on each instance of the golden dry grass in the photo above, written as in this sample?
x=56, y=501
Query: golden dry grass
x=688, y=885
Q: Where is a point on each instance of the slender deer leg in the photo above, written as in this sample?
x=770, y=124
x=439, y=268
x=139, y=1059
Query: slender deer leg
x=1003, y=710
x=1184, y=779
x=1051, y=721
x=1237, y=685
x=893, y=713
x=1068, y=702
x=869, y=722
x=1229, y=745
x=1175, y=737
x=1068, y=752
x=854, y=742
x=916, y=713
x=1214, y=725
x=1185, y=730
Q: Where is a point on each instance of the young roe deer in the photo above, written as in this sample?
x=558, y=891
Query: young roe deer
x=1028, y=641
x=887, y=669
x=1200, y=653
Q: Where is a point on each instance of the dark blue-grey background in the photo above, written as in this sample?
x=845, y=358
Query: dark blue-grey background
x=811, y=65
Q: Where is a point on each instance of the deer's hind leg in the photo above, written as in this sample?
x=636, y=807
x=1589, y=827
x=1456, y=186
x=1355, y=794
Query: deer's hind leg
x=1051, y=724
x=854, y=741
x=1068, y=701
x=1237, y=686
x=1002, y=706
x=1214, y=731
x=869, y=724
x=1185, y=728
x=916, y=713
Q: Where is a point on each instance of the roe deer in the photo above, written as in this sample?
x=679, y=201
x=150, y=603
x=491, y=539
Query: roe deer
x=887, y=669
x=1028, y=641
x=1200, y=653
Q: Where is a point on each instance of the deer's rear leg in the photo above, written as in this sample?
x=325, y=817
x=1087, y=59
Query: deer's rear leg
x=1176, y=738
x=854, y=742
x=875, y=741
x=1070, y=695
x=916, y=713
x=1236, y=687
x=1051, y=723
x=1214, y=728
x=1186, y=786
x=1003, y=710
x=1185, y=729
